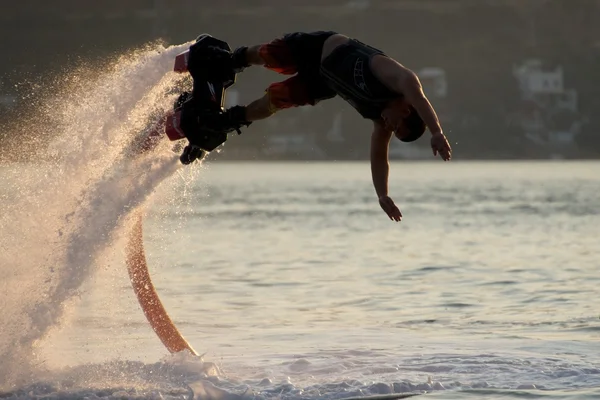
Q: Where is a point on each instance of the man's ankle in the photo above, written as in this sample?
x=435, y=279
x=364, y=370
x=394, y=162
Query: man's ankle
x=239, y=59
x=238, y=115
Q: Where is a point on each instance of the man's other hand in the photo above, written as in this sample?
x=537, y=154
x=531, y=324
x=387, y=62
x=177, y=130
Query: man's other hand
x=388, y=205
x=440, y=145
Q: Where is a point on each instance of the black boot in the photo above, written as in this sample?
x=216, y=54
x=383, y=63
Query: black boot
x=209, y=130
x=239, y=59
x=230, y=120
x=212, y=62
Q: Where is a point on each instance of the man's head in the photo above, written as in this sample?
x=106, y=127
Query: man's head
x=401, y=117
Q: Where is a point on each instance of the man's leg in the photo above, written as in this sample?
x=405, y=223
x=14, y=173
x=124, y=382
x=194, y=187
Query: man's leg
x=259, y=109
x=292, y=92
x=276, y=56
x=253, y=56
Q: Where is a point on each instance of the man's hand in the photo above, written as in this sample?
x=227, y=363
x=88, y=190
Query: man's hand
x=440, y=145
x=387, y=204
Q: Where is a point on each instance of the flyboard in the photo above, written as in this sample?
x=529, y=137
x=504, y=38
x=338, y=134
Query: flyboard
x=205, y=100
x=195, y=113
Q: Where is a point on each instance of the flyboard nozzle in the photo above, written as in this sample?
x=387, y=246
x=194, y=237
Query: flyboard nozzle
x=181, y=62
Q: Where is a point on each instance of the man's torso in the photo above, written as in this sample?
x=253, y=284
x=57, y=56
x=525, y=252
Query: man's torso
x=333, y=64
x=346, y=66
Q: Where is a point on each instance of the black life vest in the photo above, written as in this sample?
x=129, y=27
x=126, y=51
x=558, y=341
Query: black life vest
x=347, y=70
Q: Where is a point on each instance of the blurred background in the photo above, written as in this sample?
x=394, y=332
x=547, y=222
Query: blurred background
x=510, y=79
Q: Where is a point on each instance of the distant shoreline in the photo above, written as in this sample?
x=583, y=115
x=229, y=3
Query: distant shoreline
x=218, y=159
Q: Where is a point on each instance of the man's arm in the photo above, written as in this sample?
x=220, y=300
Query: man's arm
x=380, y=169
x=405, y=82
x=410, y=86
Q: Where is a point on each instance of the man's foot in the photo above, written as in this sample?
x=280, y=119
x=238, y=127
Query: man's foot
x=209, y=130
x=213, y=62
x=230, y=120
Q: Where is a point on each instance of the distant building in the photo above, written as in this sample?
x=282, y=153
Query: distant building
x=435, y=86
x=545, y=87
x=434, y=82
x=548, y=112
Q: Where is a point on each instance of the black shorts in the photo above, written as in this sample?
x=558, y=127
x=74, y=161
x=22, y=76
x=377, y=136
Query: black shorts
x=297, y=54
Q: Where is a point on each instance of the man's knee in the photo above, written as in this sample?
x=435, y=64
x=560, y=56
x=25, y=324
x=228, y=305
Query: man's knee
x=279, y=96
x=287, y=94
x=277, y=56
x=253, y=55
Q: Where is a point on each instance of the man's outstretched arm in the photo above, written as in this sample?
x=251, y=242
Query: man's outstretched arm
x=380, y=169
x=404, y=81
x=413, y=92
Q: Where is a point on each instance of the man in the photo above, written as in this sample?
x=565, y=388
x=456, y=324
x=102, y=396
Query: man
x=325, y=64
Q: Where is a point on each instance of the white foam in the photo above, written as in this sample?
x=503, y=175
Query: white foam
x=60, y=213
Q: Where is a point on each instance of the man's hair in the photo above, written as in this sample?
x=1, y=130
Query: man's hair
x=415, y=125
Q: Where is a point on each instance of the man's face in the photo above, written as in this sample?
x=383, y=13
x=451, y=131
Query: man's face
x=393, y=117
